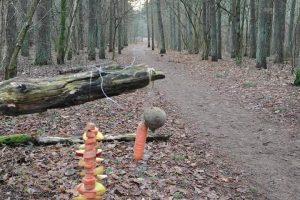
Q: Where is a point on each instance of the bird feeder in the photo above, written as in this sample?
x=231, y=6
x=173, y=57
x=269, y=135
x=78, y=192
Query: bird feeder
x=91, y=187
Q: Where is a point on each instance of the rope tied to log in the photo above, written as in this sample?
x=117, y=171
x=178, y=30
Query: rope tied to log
x=150, y=72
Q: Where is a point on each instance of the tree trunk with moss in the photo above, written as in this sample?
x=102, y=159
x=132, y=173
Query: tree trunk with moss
x=62, y=36
x=297, y=80
x=24, y=96
x=297, y=49
x=43, y=38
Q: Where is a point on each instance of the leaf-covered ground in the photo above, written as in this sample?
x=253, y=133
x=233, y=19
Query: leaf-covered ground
x=178, y=169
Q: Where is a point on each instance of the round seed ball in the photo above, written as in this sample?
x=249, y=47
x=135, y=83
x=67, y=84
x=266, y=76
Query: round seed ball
x=154, y=118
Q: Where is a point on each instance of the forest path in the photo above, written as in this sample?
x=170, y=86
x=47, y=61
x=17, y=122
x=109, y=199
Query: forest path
x=258, y=147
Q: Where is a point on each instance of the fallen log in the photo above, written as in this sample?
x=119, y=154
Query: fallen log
x=24, y=96
x=71, y=70
x=18, y=139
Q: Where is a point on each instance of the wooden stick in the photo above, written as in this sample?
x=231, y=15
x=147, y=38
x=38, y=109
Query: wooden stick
x=18, y=139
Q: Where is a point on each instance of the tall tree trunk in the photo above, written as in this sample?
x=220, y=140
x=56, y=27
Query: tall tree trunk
x=92, y=30
x=291, y=30
x=178, y=26
x=2, y=30
x=213, y=31
x=125, y=33
x=25, y=45
x=205, y=31
x=161, y=28
x=10, y=38
x=11, y=69
x=172, y=26
x=252, y=33
x=189, y=32
x=219, y=32
x=62, y=36
x=80, y=26
x=242, y=44
x=148, y=25
x=296, y=49
x=120, y=26
x=269, y=19
x=246, y=48
x=261, y=54
x=278, y=30
x=297, y=80
x=111, y=25
x=235, y=28
x=102, y=30
x=43, y=38
x=69, y=45
x=152, y=26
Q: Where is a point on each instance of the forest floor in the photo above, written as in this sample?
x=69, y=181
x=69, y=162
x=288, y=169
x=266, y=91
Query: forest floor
x=235, y=135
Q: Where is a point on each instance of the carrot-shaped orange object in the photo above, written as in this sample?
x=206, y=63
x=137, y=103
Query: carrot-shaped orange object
x=140, y=141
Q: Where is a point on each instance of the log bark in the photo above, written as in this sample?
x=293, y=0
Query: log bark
x=24, y=96
x=18, y=139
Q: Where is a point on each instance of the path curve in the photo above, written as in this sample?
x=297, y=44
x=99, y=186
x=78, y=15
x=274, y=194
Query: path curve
x=256, y=146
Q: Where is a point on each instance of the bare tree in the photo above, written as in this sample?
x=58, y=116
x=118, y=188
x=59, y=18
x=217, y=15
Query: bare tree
x=43, y=39
x=278, y=32
x=148, y=25
x=160, y=28
x=92, y=30
x=213, y=31
x=261, y=54
x=252, y=28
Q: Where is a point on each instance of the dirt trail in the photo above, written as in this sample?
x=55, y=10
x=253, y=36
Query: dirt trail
x=258, y=147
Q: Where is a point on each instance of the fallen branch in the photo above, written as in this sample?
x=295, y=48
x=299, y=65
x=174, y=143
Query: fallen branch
x=23, y=96
x=18, y=139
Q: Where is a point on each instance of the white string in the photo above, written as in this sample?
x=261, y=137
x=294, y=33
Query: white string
x=149, y=100
x=101, y=85
x=100, y=71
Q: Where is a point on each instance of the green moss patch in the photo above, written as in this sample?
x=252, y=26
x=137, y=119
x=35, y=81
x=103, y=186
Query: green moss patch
x=15, y=139
x=297, y=80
